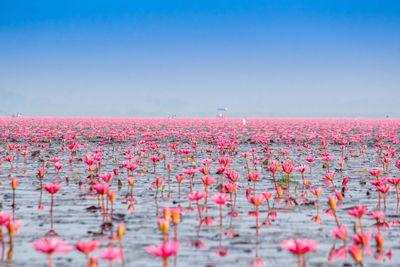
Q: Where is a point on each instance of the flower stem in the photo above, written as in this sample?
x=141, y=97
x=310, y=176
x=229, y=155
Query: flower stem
x=49, y=260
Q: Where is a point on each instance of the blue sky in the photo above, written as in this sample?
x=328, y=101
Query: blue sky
x=151, y=58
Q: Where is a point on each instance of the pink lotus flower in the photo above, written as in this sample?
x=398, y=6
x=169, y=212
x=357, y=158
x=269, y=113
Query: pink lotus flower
x=311, y=160
x=394, y=181
x=13, y=226
x=287, y=167
x=316, y=191
x=379, y=182
x=221, y=169
x=164, y=250
x=205, y=170
x=327, y=158
x=384, y=188
x=231, y=175
x=106, y=177
x=225, y=161
x=376, y=173
x=111, y=254
x=363, y=238
x=358, y=212
x=329, y=176
x=208, y=180
x=207, y=161
x=379, y=240
x=158, y=182
x=41, y=172
x=272, y=168
x=180, y=178
x=52, y=188
x=257, y=200
x=356, y=253
x=101, y=188
x=230, y=187
x=299, y=246
x=397, y=164
x=340, y=233
x=378, y=215
x=58, y=166
x=87, y=247
x=189, y=171
x=155, y=158
x=196, y=196
x=246, y=155
x=301, y=168
x=267, y=195
x=131, y=180
x=258, y=262
x=55, y=159
x=51, y=245
x=5, y=217
x=254, y=176
x=220, y=199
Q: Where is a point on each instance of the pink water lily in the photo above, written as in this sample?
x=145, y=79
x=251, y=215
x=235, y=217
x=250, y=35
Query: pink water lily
x=300, y=247
x=51, y=246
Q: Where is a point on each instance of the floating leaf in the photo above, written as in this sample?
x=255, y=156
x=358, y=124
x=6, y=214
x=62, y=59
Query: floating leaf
x=219, y=188
x=35, y=153
x=362, y=171
x=119, y=184
x=294, y=200
x=92, y=208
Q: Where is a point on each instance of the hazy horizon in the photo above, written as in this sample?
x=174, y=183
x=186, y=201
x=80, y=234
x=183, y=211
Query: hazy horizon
x=274, y=59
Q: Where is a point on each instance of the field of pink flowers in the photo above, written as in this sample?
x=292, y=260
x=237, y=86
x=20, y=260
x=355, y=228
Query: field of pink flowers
x=199, y=192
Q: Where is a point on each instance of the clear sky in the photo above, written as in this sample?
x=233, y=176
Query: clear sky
x=309, y=58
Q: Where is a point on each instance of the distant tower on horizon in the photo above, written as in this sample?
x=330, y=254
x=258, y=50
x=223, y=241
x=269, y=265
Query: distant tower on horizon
x=171, y=116
x=221, y=112
x=16, y=115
